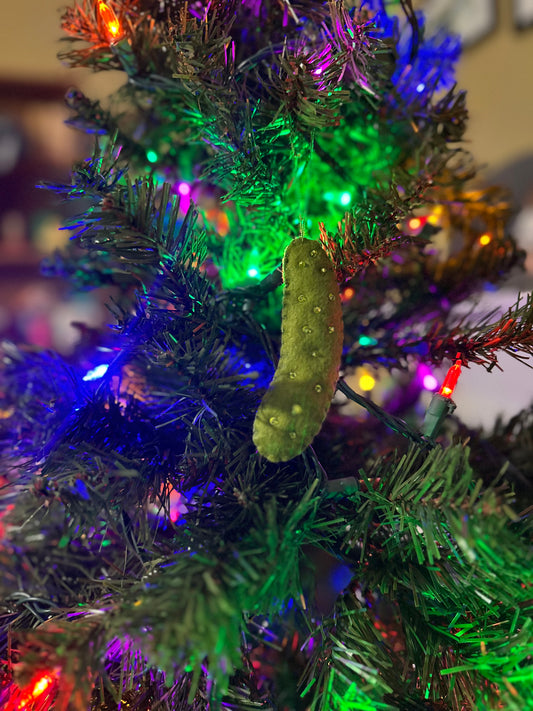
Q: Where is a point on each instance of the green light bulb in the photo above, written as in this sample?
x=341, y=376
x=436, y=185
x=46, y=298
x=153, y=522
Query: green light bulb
x=367, y=341
x=346, y=199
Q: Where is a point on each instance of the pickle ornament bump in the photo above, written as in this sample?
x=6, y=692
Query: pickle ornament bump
x=297, y=401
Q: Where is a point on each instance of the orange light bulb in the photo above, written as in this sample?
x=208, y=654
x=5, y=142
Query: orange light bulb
x=415, y=224
x=112, y=26
x=347, y=294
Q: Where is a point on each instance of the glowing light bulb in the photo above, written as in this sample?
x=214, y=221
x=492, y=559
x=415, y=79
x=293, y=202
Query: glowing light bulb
x=415, y=224
x=112, y=26
x=151, y=156
x=96, y=373
x=28, y=697
x=436, y=214
x=450, y=381
x=347, y=294
x=345, y=199
x=41, y=685
x=222, y=223
x=485, y=239
x=367, y=341
x=366, y=382
x=430, y=382
x=184, y=191
x=253, y=272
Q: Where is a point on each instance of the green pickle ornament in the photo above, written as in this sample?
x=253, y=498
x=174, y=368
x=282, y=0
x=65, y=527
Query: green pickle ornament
x=294, y=407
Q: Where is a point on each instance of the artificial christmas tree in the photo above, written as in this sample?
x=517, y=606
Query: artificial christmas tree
x=279, y=199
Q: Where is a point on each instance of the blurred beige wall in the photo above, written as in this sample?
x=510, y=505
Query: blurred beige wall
x=31, y=35
x=30, y=29
x=496, y=74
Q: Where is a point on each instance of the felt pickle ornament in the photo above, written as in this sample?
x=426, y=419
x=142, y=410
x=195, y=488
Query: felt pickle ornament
x=296, y=403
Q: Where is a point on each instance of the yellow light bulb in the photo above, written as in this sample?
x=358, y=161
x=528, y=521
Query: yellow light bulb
x=366, y=382
x=436, y=214
x=485, y=239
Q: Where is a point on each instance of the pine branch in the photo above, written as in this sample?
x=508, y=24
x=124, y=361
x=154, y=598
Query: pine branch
x=511, y=334
x=365, y=236
x=131, y=226
x=344, y=666
x=84, y=25
x=431, y=529
x=68, y=651
x=35, y=401
x=219, y=581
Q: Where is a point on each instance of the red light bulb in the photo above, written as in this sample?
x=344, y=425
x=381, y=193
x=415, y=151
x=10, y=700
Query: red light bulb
x=39, y=690
x=450, y=381
x=41, y=685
